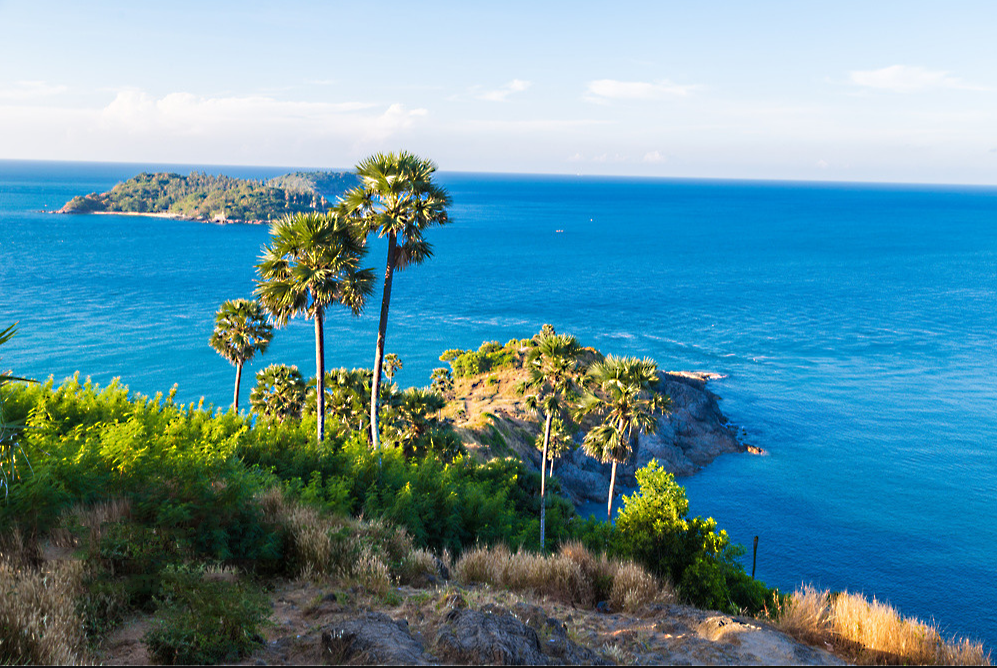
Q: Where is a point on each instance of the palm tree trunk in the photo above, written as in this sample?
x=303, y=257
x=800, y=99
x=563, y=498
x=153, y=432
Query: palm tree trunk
x=612, y=485
x=238, y=379
x=543, y=482
x=320, y=375
x=382, y=328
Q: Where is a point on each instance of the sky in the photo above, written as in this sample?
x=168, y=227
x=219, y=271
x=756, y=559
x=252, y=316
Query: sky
x=841, y=91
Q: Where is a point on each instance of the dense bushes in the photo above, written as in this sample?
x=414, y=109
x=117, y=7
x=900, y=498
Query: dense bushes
x=205, y=618
x=194, y=474
x=490, y=356
x=147, y=488
x=653, y=528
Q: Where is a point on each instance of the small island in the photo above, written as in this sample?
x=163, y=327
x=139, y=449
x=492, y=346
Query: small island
x=217, y=198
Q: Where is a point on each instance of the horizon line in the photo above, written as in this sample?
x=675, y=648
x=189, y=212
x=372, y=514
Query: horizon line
x=726, y=179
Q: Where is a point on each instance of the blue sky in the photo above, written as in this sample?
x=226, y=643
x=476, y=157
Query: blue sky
x=870, y=91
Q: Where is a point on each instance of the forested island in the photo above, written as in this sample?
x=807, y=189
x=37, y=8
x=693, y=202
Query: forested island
x=219, y=198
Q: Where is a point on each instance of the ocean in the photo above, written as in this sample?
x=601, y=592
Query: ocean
x=855, y=324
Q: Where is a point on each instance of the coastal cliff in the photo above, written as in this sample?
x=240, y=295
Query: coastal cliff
x=690, y=435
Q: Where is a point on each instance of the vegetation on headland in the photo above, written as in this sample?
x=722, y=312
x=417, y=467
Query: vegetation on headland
x=189, y=514
x=201, y=196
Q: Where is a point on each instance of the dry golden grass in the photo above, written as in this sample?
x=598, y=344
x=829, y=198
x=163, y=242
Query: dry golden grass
x=633, y=588
x=344, y=548
x=92, y=518
x=573, y=576
x=871, y=631
x=38, y=621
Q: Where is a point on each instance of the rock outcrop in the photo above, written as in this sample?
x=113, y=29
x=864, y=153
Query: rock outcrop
x=526, y=635
x=690, y=436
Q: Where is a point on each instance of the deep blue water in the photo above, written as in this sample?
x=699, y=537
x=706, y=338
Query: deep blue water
x=856, y=324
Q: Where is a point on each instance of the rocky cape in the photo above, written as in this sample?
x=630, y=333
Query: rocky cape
x=690, y=435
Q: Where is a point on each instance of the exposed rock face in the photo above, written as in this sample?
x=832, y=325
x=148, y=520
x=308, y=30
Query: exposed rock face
x=372, y=639
x=690, y=436
x=526, y=635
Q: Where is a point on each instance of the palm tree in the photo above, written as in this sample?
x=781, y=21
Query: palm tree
x=561, y=442
x=414, y=407
x=313, y=260
x=392, y=364
x=347, y=395
x=279, y=392
x=552, y=363
x=627, y=407
x=396, y=199
x=241, y=331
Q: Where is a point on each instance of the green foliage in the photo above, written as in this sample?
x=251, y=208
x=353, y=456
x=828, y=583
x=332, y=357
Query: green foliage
x=441, y=381
x=13, y=459
x=653, y=528
x=329, y=185
x=279, y=393
x=205, y=621
x=175, y=464
x=489, y=357
x=133, y=557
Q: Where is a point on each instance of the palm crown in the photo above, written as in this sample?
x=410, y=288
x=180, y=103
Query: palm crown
x=312, y=261
x=397, y=197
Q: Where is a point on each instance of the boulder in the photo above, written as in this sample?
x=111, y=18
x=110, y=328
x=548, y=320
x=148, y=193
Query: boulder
x=371, y=639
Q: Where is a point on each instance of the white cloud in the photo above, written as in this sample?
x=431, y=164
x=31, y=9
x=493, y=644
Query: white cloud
x=30, y=90
x=909, y=79
x=654, y=156
x=184, y=114
x=501, y=94
x=183, y=127
x=534, y=125
x=603, y=90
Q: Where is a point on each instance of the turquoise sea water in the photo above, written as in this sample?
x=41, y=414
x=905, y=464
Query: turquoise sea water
x=856, y=324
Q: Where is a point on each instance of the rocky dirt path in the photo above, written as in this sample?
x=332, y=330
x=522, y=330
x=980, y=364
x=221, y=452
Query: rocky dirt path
x=316, y=625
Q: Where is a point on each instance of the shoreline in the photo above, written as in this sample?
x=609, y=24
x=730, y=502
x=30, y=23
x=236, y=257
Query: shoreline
x=162, y=215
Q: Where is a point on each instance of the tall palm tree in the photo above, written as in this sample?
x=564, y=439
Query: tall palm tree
x=552, y=363
x=313, y=261
x=396, y=199
x=241, y=331
x=623, y=398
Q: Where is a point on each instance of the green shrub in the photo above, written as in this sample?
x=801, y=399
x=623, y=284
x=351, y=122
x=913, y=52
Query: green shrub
x=653, y=528
x=205, y=620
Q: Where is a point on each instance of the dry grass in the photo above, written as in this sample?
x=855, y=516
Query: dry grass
x=38, y=621
x=347, y=549
x=574, y=576
x=633, y=588
x=91, y=519
x=871, y=631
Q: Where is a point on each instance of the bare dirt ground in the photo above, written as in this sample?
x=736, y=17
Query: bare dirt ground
x=659, y=634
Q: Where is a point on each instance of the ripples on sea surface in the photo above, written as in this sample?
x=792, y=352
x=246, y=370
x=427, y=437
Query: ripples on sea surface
x=856, y=324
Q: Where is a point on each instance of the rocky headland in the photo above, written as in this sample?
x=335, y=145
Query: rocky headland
x=690, y=435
